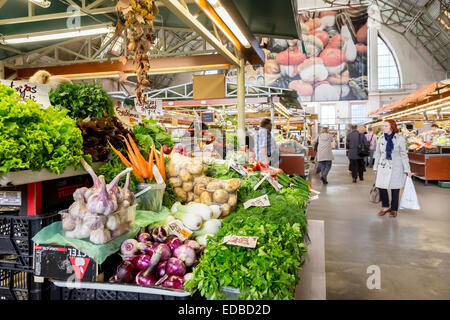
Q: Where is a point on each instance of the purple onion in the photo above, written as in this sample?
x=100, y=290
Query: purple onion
x=166, y=253
x=142, y=261
x=174, y=282
x=146, y=280
x=159, y=234
x=125, y=272
x=185, y=254
x=146, y=247
x=174, y=243
x=188, y=276
x=144, y=237
x=161, y=271
x=175, y=267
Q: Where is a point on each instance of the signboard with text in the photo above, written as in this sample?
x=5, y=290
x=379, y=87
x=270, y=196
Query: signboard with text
x=36, y=92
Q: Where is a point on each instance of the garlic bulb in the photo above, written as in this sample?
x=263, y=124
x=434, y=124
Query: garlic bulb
x=113, y=186
x=101, y=202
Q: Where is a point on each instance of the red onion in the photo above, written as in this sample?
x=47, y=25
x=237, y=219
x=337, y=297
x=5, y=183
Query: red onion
x=174, y=243
x=161, y=271
x=142, y=261
x=148, y=277
x=188, y=276
x=146, y=247
x=185, y=254
x=174, y=282
x=175, y=267
x=144, y=237
x=159, y=234
x=166, y=253
x=125, y=272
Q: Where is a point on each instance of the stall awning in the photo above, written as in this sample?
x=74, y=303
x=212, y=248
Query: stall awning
x=433, y=89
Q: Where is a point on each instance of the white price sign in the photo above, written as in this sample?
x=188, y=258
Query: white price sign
x=262, y=201
x=36, y=92
x=150, y=108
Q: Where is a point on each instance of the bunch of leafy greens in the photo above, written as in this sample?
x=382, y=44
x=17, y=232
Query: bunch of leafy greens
x=35, y=138
x=150, y=133
x=270, y=271
x=97, y=132
x=82, y=100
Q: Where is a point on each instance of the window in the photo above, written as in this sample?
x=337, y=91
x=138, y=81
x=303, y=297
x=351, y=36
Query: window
x=388, y=75
x=327, y=115
x=358, y=113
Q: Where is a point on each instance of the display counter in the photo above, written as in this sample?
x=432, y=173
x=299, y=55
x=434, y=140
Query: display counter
x=430, y=166
x=293, y=164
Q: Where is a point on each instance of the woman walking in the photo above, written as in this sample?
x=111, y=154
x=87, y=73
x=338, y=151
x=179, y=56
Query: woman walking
x=324, y=154
x=391, y=166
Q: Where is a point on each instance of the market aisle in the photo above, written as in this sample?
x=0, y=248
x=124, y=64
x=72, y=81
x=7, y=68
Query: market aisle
x=412, y=250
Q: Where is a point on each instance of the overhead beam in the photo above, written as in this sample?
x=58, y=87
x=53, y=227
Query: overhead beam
x=11, y=49
x=112, y=69
x=54, y=16
x=185, y=16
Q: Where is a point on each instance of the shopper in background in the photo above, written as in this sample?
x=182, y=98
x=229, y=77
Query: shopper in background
x=324, y=153
x=266, y=147
x=372, y=139
x=356, y=161
x=391, y=166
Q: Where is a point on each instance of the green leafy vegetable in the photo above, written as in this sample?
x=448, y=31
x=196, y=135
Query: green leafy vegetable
x=35, y=138
x=83, y=100
x=150, y=133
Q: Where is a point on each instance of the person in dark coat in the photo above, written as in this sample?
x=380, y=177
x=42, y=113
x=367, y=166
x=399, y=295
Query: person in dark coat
x=356, y=161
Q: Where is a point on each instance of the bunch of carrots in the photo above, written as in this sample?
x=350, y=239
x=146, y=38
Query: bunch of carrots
x=142, y=169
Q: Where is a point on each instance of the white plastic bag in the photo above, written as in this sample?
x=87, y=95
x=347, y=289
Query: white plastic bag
x=409, y=197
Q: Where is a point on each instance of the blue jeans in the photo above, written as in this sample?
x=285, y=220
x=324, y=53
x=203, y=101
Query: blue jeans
x=369, y=160
x=325, y=167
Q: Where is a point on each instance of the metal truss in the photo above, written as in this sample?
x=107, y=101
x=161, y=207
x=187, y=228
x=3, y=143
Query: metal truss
x=420, y=18
x=101, y=48
x=185, y=91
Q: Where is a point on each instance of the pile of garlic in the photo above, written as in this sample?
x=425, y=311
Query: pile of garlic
x=102, y=212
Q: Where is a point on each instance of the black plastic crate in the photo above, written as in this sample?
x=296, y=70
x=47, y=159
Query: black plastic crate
x=20, y=285
x=62, y=293
x=16, y=232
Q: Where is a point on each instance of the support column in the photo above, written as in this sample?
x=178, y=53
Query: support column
x=241, y=103
x=272, y=113
x=373, y=59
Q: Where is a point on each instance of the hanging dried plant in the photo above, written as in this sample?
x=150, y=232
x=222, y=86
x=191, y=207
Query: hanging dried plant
x=139, y=16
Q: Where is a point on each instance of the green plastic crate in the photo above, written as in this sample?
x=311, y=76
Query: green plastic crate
x=444, y=184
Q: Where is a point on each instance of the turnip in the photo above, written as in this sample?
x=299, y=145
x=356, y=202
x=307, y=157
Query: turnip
x=174, y=282
x=174, y=243
x=166, y=253
x=129, y=247
x=159, y=234
x=142, y=261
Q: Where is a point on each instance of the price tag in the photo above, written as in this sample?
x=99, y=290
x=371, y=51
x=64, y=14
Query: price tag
x=259, y=183
x=239, y=169
x=177, y=228
x=314, y=198
x=150, y=108
x=36, y=92
x=262, y=201
x=241, y=241
x=10, y=198
x=274, y=184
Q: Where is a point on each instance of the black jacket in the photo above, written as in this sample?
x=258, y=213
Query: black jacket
x=353, y=140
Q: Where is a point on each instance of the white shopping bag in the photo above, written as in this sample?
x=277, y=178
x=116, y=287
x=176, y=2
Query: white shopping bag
x=409, y=197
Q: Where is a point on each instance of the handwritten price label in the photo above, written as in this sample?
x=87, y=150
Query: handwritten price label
x=177, y=228
x=36, y=92
x=241, y=241
x=262, y=201
x=274, y=184
x=239, y=169
x=150, y=108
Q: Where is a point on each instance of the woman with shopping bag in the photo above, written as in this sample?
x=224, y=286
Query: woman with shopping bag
x=391, y=166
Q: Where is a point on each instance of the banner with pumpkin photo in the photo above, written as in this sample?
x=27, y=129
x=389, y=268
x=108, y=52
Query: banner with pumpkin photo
x=328, y=64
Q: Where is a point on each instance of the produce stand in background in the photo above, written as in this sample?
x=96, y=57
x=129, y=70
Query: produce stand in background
x=429, y=167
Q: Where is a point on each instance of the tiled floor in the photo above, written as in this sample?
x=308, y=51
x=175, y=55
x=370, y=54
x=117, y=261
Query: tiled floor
x=412, y=250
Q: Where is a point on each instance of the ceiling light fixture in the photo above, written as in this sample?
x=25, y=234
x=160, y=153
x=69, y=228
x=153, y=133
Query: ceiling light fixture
x=41, y=3
x=55, y=35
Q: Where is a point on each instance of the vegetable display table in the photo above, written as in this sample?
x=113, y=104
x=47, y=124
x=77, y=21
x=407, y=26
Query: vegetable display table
x=430, y=166
x=312, y=284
